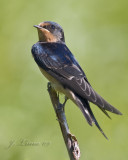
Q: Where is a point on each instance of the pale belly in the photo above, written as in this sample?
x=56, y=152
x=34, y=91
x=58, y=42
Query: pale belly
x=58, y=87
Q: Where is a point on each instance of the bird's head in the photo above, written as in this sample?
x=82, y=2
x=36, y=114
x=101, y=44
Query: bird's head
x=50, y=32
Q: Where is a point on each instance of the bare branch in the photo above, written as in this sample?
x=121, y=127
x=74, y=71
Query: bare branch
x=70, y=140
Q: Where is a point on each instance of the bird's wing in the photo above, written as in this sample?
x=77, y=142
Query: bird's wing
x=59, y=62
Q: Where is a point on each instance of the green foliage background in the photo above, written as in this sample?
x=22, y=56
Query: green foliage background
x=96, y=32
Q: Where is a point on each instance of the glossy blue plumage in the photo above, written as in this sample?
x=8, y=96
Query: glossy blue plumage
x=57, y=60
x=56, y=51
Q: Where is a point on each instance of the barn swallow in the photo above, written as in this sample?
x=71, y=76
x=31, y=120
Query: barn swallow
x=60, y=67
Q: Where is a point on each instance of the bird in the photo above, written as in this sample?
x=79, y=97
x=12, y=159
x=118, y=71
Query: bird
x=59, y=66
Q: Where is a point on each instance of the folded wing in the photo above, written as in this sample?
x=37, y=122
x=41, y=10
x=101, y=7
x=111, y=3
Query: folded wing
x=59, y=62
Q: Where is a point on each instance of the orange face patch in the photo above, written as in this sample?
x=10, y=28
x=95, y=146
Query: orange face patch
x=45, y=35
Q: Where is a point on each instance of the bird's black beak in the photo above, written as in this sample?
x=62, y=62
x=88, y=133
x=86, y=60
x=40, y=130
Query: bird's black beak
x=37, y=26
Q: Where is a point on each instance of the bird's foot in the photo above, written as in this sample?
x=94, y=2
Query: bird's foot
x=62, y=106
x=66, y=98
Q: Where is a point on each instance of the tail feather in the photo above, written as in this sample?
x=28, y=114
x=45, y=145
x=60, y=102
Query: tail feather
x=88, y=114
x=102, y=103
x=95, y=121
x=85, y=111
x=103, y=110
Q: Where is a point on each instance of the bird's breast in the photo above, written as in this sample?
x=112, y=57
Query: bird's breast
x=57, y=86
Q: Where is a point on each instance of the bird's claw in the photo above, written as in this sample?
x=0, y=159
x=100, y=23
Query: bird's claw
x=66, y=98
x=61, y=106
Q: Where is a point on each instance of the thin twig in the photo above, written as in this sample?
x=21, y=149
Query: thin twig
x=70, y=140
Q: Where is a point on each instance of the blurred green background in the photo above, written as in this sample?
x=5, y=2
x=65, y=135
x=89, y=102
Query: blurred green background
x=96, y=32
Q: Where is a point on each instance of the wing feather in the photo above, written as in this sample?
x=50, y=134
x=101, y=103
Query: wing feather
x=64, y=67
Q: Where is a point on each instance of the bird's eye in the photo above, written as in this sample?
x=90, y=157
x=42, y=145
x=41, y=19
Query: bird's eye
x=52, y=27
